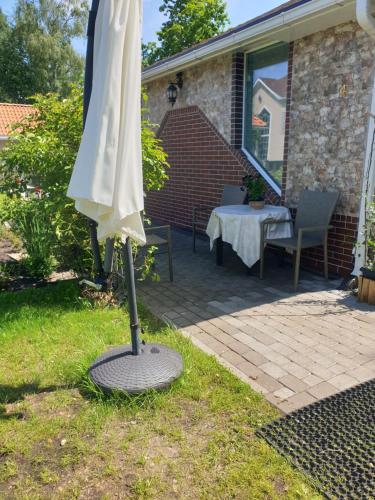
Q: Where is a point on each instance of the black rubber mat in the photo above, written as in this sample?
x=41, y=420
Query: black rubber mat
x=332, y=441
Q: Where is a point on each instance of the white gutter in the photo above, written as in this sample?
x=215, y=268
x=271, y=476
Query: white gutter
x=258, y=31
x=366, y=20
x=4, y=137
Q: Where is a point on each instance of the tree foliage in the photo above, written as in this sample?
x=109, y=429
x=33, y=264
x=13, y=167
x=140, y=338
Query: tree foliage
x=42, y=153
x=36, y=51
x=188, y=22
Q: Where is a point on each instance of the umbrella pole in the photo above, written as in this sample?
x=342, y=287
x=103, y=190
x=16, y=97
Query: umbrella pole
x=86, y=101
x=127, y=256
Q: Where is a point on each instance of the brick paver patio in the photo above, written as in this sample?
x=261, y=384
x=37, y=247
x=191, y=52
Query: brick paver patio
x=295, y=348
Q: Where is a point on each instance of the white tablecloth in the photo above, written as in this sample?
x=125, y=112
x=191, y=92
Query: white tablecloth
x=239, y=225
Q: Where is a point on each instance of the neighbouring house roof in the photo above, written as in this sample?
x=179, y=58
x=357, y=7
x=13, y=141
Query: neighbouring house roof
x=289, y=21
x=278, y=86
x=11, y=114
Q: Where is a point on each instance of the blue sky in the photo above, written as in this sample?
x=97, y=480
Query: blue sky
x=239, y=12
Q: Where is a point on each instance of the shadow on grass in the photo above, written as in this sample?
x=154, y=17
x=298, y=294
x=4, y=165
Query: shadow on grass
x=13, y=394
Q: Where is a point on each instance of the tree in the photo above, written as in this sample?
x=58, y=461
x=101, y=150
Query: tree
x=188, y=22
x=36, y=53
x=43, y=150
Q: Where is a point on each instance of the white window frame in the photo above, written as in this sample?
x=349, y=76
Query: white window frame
x=266, y=176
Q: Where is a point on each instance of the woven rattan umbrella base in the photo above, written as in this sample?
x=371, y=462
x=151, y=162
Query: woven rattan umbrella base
x=156, y=367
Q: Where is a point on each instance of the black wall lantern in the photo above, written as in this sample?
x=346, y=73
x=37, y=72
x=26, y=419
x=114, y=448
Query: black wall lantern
x=172, y=90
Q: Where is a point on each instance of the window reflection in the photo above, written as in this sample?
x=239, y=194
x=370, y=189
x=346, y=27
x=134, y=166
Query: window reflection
x=266, y=91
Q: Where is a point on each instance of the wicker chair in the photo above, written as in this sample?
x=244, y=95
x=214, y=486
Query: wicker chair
x=231, y=195
x=310, y=228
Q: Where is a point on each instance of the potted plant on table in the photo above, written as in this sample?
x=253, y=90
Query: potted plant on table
x=256, y=189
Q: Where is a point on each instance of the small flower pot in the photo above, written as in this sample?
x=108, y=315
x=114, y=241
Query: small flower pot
x=367, y=273
x=257, y=205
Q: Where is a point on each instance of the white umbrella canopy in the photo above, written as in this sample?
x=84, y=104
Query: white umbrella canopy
x=107, y=182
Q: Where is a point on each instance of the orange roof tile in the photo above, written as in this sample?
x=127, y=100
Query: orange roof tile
x=258, y=122
x=11, y=114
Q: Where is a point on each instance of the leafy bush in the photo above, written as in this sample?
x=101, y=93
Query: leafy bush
x=370, y=237
x=35, y=231
x=43, y=151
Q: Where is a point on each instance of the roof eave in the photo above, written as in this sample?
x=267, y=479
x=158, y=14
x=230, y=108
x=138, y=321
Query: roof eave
x=296, y=23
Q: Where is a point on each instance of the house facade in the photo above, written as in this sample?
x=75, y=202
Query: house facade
x=286, y=95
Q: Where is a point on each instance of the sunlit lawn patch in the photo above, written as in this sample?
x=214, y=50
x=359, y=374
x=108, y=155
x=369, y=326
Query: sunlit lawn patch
x=60, y=438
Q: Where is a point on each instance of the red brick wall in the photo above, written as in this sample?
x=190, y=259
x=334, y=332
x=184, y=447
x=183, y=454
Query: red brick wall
x=201, y=163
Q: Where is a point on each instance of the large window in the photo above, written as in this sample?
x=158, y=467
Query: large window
x=265, y=106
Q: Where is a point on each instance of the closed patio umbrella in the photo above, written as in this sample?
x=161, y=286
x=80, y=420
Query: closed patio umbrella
x=107, y=183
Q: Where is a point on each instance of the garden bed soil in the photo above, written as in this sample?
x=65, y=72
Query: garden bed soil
x=6, y=247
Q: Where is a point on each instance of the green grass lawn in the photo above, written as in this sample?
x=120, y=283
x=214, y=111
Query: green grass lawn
x=59, y=438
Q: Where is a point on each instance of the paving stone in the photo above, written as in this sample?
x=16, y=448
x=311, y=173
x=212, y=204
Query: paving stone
x=321, y=371
x=322, y=390
x=216, y=346
x=277, y=358
x=297, y=401
x=337, y=369
x=233, y=358
x=273, y=370
x=343, y=381
x=272, y=399
x=172, y=314
x=254, y=357
x=238, y=347
x=293, y=383
x=283, y=393
x=222, y=337
x=249, y=369
x=362, y=374
x=282, y=348
x=203, y=337
x=296, y=370
x=312, y=380
x=268, y=382
x=322, y=359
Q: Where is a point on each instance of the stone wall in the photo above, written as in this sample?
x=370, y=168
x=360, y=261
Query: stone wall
x=207, y=85
x=331, y=91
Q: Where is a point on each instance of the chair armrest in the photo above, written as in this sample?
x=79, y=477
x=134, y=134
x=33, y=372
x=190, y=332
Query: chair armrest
x=267, y=222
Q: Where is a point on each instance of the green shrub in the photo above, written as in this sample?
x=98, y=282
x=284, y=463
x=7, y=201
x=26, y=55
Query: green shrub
x=43, y=150
x=36, y=233
x=370, y=237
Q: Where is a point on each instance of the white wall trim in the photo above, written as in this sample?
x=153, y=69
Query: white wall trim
x=367, y=21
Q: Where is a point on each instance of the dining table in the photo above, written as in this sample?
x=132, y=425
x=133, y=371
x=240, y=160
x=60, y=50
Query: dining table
x=241, y=226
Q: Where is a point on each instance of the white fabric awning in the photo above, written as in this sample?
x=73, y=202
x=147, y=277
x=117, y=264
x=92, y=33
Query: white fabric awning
x=107, y=181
